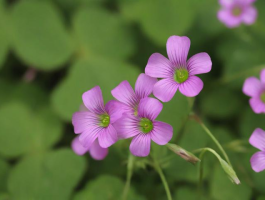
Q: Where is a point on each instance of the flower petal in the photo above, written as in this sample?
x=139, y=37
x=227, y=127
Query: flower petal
x=228, y=19
x=158, y=66
x=78, y=147
x=93, y=100
x=165, y=89
x=249, y=16
x=107, y=137
x=127, y=126
x=178, y=49
x=257, y=105
x=161, y=133
x=258, y=161
x=252, y=87
x=191, y=87
x=82, y=120
x=257, y=139
x=89, y=135
x=149, y=108
x=262, y=76
x=115, y=110
x=140, y=145
x=144, y=86
x=125, y=94
x=97, y=152
x=226, y=3
x=199, y=64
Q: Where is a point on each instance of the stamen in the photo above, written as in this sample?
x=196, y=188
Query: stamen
x=146, y=125
x=181, y=75
x=104, y=120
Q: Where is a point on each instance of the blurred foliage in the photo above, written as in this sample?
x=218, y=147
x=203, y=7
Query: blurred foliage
x=51, y=51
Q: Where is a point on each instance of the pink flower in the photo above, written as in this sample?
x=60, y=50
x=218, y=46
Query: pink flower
x=177, y=72
x=257, y=140
x=255, y=88
x=144, y=128
x=96, y=123
x=125, y=94
x=95, y=150
x=235, y=12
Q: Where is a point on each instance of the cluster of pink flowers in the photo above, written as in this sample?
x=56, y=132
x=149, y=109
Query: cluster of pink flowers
x=133, y=114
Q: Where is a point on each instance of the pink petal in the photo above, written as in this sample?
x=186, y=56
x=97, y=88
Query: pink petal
x=226, y=3
x=249, y=16
x=82, y=120
x=178, y=49
x=262, y=76
x=127, y=126
x=97, y=152
x=165, y=89
x=89, y=135
x=228, y=19
x=107, y=137
x=140, y=145
x=161, y=133
x=125, y=94
x=258, y=161
x=159, y=67
x=252, y=87
x=149, y=108
x=93, y=100
x=257, y=139
x=199, y=64
x=191, y=87
x=83, y=108
x=115, y=110
x=78, y=147
x=144, y=86
x=257, y=105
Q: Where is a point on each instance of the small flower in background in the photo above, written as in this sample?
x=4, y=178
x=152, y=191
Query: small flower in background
x=177, y=72
x=96, y=123
x=235, y=12
x=95, y=150
x=255, y=88
x=257, y=140
x=143, y=128
x=125, y=94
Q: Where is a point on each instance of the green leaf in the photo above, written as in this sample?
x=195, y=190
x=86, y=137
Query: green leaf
x=105, y=187
x=85, y=75
x=39, y=36
x=100, y=32
x=52, y=176
x=24, y=131
x=4, y=39
x=4, y=171
x=160, y=19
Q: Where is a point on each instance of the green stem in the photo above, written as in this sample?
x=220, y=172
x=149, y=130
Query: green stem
x=162, y=176
x=129, y=176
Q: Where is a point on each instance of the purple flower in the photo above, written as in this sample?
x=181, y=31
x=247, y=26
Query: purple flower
x=125, y=94
x=255, y=88
x=177, y=72
x=235, y=12
x=144, y=128
x=97, y=122
x=95, y=150
x=257, y=140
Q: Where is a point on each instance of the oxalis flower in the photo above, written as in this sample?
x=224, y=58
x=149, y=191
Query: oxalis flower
x=144, y=128
x=177, y=72
x=125, y=94
x=97, y=122
x=255, y=88
x=235, y=12
x=95, y=150
x=257, y=140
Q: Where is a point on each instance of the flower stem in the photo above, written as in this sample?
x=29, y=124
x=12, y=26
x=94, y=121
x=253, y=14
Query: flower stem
x=129, y=176
x=162, y=176
x=201, y=170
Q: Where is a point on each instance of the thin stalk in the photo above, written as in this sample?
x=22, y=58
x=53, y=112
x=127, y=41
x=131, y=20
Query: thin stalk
x=201, y=170
x=129, y=176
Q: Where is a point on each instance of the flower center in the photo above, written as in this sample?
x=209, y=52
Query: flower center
x=236, y=11
x=181, y=75
x=104, y=120
x=146, y=125
x=262, y=97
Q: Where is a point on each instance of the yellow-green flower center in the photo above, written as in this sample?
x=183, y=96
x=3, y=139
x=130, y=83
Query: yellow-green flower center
x=181, y=75
x=262, y=97
x=236, y=11
x=146, y=125
x=104, y=120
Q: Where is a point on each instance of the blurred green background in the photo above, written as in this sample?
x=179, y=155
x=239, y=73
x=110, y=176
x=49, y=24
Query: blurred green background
x=51, y=51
